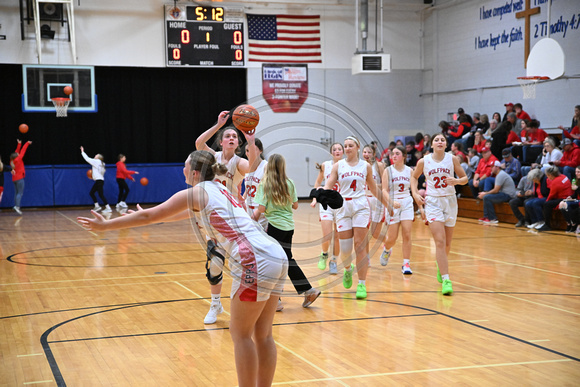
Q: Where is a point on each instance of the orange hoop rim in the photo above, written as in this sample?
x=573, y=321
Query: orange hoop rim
x=535, y=78
x=60, y=100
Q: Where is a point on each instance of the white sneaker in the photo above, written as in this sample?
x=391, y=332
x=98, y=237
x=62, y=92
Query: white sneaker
x=97, y=208
x=406, y=269
x=107, y=209
x=279, y=307
x=214, y=310
x=539, y=225
x=385, y=256
x=124, y=205
x=17, y=209
x=533, y=225
x=332, y=269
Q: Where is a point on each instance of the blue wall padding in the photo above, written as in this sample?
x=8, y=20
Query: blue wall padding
x=68, y=185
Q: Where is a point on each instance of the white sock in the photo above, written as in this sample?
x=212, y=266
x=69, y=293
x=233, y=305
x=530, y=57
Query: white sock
x=96, y=204
x=445, y=277
x=362, y=282
x=405, y=261
x=216, y=298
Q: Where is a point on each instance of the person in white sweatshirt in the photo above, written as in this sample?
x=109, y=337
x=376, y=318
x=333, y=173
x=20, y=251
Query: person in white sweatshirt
x=99, y=178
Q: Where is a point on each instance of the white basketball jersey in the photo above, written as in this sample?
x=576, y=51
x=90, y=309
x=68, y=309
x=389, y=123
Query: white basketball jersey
x=352, y=180
x=376, y=178
x=252, y=181
x=233, y=177
x=327, y=170
x=436, y=174
x=400, y=184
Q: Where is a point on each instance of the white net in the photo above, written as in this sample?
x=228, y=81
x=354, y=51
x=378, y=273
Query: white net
x=528, y=85
x=61, y=105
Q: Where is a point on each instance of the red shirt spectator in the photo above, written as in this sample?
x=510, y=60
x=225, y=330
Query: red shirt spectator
x=420, y=146
x=512, y=137
x=570, y=156
x=463, y=128
x=538, y=135
x=479, y=147
x=560, y=188
x=17, y=163
x=485, y=165
x=123, y=172
x=523, y=116
x=574, y=133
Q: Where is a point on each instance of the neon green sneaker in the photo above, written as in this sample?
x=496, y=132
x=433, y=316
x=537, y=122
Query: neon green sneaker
x=347, y=277
x=439, y=275
x=361, y=291
x=447, y=288
x=322, y=261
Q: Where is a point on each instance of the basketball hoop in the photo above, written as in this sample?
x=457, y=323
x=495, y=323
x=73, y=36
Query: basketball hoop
x=528, y=85
x=61, y=105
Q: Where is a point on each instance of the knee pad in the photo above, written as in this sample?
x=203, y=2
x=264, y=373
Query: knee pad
x=214, y=264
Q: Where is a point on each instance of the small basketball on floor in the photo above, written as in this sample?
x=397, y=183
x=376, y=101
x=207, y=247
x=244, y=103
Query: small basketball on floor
x=23, y=128
x=144, y=181
x=245, y=118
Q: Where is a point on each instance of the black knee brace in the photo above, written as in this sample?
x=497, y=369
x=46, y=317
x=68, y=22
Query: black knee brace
x=211, y=253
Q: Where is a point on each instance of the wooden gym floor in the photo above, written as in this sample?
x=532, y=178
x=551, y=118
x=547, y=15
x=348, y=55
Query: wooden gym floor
x=126, y=308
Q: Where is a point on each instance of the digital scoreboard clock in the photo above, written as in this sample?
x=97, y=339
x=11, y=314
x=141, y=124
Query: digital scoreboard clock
x=203, y=36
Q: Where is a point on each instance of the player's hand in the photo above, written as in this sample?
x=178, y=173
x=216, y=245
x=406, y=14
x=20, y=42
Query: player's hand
x=92, y=224
x=82, y=149
x=313, y=203
x=131, y=211
x=223, y=117
x=29, y=142
x=19, y=141
x=451, y=181
x=396, y=204
x=423, y=216
x=563, y=205
x=419, y=200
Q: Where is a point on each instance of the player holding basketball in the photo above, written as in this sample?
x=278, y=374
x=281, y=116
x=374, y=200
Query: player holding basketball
x=353, y=217
x=259, y=260
x=440, y=203
x=328, y=216
x=397, y=181
x=252, y=181
x=377, y=209
x=122, y=174
x=237, y=168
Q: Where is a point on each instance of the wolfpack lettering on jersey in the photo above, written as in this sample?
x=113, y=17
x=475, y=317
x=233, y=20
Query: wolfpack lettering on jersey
x=352, y=180
x=232, y=177
x=436, y=174
x=400, y=183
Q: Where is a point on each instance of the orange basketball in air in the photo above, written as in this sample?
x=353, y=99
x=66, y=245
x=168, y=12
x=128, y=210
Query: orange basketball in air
x=23, y=128
x=90, y=174
x=68, y=90
x=144, y=181
x=245, y=118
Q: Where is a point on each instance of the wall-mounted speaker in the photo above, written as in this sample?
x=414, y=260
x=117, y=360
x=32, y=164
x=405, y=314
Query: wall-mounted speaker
x=50, y=11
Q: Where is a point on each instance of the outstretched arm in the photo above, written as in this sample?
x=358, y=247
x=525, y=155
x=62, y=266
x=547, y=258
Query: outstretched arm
x=201, y=142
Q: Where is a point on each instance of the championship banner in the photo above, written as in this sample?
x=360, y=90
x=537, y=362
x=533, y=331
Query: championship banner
x=285, y=86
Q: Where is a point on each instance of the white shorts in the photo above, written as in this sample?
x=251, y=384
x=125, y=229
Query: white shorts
x=328, y=214
x=377, y=210
x=405, y=212
x=269, y=279
x=441, y=209
x=353, y=213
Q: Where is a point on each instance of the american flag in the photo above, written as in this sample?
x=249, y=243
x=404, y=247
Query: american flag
x=284, y=38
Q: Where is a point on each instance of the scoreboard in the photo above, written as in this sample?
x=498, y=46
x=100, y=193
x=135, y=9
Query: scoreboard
x=203, y=36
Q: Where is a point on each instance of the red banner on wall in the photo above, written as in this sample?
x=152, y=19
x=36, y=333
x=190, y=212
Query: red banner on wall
x=285, y=86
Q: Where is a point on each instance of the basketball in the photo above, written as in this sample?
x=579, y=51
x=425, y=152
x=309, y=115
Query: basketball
x=90, y=174
x=68, y=90
x=144, y=181
x=245, y=118
x=23, y=128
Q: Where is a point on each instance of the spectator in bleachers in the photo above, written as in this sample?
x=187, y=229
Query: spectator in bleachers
x=446, y=127
x=521, y=114
x=456, y=133
x=524, y=191
x=482, y=172
x=560, y=189
x=419, y=142
x=540, y=192
x=427, y=143
x=385, y=155
x=570, y=158
x=511, y=165
x=472, y=162
x=461, y=112
x=550, y=154
x=411, y=158
x=492, y=127
x=573, y=132
x=503, y=190
x=532, y=141
x=509, y=108
x=570, y=208
x=496, y=116
x=479, y=142
x=457, y=150
x=500, y=135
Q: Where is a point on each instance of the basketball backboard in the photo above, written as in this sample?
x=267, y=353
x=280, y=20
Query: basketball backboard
x=41, y=83
x=546, y=59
